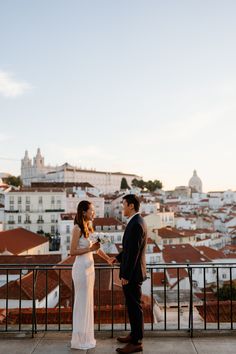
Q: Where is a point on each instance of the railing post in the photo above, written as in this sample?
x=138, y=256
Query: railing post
x=112, y=303
x=190, y=324
x=152, y=315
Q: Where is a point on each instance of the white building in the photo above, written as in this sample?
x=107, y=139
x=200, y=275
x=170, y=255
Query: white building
x=73, y=199
x=149, y=207
x=107, y=182
x=158, y=221
x=187, y=221
x=34, y=209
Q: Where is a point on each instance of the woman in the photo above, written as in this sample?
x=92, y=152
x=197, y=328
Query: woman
x=83, y=275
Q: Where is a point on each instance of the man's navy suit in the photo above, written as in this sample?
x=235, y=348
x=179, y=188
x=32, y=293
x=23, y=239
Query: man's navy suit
x=133, y=268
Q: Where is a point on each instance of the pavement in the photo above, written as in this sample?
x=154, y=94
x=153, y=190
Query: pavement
x=176, y=343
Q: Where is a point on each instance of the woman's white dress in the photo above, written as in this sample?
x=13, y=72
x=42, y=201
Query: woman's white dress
x=83, y=275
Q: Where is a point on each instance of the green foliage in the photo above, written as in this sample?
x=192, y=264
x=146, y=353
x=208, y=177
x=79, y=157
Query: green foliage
x=48, y=235
x=13, y=181
x=151, y=186
x=225, y=292
x=124, y=184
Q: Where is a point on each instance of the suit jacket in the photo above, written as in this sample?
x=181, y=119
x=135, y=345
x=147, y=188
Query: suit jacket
x=132, y=258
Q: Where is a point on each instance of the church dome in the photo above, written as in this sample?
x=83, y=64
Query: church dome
x=195, y=183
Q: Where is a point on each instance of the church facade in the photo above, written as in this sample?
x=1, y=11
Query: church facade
x=37, y=171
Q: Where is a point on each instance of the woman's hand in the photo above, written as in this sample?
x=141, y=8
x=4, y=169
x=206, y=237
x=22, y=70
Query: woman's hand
x=95, y=246
x=111, y=260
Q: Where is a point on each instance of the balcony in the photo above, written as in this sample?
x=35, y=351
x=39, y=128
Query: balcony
x=185, y=306
x=11, y=211
x=39, y=221
x=54, y=210
x=11, y=222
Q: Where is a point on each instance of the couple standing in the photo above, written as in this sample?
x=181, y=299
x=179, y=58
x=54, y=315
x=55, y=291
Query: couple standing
x=132, y=274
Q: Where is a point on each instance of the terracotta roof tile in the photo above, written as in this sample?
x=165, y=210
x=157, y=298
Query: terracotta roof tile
x=210, y=252
x=212, y=311
x=184, y=253
x=27, y=286
x=19, y=240
x=158, y=278
x=169, y=232
x=28, y=260
x=107, y=222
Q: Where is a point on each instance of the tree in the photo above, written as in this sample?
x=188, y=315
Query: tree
x=151, y=186
x=225, y=292
x=124, y=184
x=157, y=184
x=138, y=183
x=13, y=181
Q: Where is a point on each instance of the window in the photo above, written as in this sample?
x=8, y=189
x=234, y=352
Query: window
x=67, y=229
x=52, y=229
x=27, y=200
x=19, y=200
x=19, y=219
x=68, y=239
x=40, y=200
x=27, y=219
x=53, y=218
x=11, y=200
x=224, y=276
x=53, y=200
x=27, y=207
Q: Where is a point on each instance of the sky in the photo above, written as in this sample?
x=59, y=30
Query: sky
x=139, y=86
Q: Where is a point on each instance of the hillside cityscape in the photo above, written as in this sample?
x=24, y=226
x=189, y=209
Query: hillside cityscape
x=185, y=226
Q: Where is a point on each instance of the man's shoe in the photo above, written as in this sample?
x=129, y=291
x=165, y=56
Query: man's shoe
x=126, y=339
x=130, y=348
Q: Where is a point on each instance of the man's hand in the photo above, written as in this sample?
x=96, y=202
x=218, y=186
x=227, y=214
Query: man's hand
x=124, y=281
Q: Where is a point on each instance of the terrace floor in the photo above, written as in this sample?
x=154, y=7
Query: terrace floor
x=174, y=343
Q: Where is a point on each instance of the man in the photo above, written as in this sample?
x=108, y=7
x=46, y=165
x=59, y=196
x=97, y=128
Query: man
x=133, y=272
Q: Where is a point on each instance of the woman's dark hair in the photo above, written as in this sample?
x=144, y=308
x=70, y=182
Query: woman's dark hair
x=132, y=199
x=79, y=220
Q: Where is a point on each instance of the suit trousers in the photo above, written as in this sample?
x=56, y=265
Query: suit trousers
x=133, y=293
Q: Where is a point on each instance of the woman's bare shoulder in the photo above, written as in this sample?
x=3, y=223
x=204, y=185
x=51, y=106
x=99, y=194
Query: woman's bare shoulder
x=76, y=229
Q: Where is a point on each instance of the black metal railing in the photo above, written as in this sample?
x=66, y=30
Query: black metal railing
x=191, y=297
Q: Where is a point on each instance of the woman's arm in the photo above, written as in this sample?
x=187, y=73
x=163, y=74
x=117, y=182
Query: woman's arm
x=75, y=250
x=103, y=255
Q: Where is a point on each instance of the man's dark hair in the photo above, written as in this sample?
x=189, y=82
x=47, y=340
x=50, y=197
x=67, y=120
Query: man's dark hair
x=132, y=199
